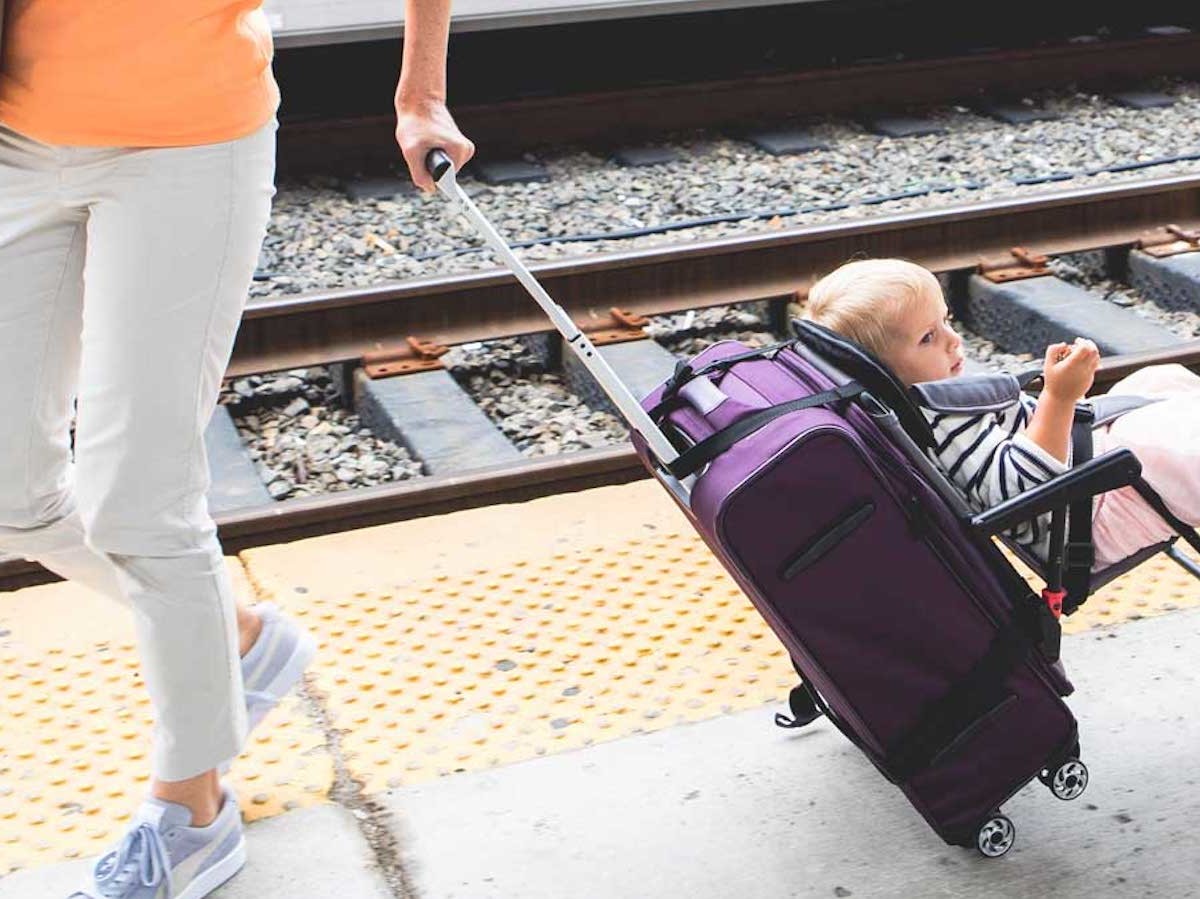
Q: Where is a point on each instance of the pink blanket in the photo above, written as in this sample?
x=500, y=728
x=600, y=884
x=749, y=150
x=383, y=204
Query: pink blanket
x=1165, y=436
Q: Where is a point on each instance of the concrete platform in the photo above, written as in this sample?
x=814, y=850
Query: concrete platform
x=454, y=650
x=309, y=853
x=735, y=807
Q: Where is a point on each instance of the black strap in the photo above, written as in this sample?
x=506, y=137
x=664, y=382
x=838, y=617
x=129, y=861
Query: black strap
x=803, y=706
x=1079, y=551
x=684, y=373
x=941, y=722
x=696, y=457
x=807, y=705
x=971, y=697
x=1155, y=502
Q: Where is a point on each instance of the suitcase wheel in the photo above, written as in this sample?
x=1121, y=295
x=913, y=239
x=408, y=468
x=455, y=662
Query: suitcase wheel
x=995, y=836
x=1067, y=781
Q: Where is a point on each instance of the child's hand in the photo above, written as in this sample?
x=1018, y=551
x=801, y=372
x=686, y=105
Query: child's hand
x=1069, y=369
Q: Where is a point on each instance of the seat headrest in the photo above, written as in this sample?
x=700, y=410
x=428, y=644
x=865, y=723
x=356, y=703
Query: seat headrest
x=862, y=365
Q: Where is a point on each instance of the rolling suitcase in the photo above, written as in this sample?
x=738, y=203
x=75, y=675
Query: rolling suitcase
x=902, y=629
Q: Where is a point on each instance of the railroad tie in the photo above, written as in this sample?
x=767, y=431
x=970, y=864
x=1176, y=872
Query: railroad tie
x=1173, y=282
x=637, y=157
x=508, y=171
x=642, y=365
x=904, y=126
x=1028, y=315
x=236, y=483
x=435, y=418
x=786, y=141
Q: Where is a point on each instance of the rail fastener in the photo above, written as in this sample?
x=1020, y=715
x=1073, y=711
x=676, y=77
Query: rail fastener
x=622, y=327
x=414, y=355
x=1020, y=263
x=1170, y=240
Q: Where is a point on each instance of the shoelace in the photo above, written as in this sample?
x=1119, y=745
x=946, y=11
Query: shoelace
x=142, y=854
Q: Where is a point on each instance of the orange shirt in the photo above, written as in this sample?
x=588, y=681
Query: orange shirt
x=136, y=73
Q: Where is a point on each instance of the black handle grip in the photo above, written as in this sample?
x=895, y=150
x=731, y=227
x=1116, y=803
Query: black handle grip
x=437, y=163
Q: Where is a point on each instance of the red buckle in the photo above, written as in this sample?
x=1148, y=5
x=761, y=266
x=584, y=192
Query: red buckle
x=1054, y=600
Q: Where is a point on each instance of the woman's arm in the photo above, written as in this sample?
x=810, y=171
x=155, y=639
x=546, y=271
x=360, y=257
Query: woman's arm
x=422, y=119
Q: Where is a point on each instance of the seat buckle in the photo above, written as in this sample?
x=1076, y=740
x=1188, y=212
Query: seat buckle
x=1048, y=628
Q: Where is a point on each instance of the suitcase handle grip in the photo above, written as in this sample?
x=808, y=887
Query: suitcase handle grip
x=437, y=163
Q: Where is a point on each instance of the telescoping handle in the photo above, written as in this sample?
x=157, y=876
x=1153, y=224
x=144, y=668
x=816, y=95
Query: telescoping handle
x=441, y=168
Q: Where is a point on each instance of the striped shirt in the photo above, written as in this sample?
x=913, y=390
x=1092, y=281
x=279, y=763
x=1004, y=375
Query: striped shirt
x=990, y=459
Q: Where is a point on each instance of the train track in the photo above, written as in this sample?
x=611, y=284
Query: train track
x=324, y=142
x=285, y=332
x=340, y=326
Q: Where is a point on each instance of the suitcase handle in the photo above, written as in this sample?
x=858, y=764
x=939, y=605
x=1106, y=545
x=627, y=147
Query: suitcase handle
x=440, y=166
x=437, y=163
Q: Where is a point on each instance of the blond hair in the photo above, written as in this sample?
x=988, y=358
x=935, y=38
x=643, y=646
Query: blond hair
x=862, y=299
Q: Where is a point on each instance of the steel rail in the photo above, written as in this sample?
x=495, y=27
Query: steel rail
x=295, y=331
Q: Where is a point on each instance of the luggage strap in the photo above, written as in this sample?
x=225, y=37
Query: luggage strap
x=941, y=723
x=1079, y=553
x=696, y=457
x=971, y=698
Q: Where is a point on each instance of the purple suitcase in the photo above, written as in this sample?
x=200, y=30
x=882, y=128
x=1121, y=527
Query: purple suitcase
x=883, y=600
x=894, y=612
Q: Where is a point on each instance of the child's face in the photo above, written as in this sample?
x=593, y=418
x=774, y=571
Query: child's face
x=924, y=347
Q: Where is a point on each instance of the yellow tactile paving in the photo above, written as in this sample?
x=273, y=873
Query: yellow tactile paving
x=75, y=730
x=490, y=636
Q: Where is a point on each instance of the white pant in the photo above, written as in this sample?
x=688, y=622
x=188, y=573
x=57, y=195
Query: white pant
x=123, y=273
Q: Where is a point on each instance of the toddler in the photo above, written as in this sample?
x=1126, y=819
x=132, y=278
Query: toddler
x=896, y=310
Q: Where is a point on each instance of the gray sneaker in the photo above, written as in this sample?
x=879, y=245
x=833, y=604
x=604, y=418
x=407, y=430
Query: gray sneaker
x=274, y=664
x=163, y=857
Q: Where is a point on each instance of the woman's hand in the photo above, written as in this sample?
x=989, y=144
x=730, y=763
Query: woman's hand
x=420, y=127
x=1069, y=369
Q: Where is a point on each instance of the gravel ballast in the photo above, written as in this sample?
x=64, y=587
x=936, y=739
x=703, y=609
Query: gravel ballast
x=303, y=442
x=319, y=239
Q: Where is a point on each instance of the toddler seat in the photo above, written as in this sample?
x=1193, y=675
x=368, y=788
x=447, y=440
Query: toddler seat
x=1067, y=496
